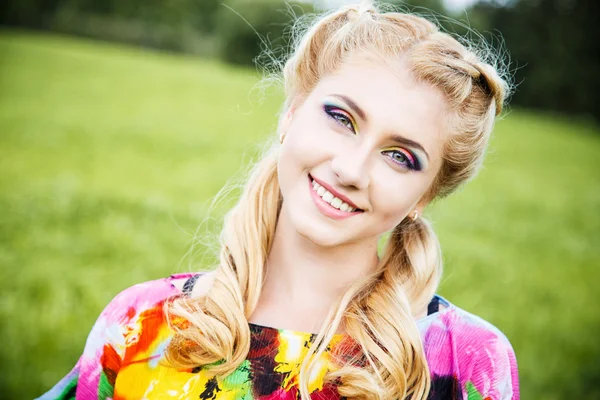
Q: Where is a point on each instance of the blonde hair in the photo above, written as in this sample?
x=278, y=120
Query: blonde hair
x=378, y=311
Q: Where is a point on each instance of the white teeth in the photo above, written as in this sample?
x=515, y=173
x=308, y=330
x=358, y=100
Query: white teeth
x=330, y=198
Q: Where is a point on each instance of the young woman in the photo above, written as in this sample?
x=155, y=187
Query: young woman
x=384, y=113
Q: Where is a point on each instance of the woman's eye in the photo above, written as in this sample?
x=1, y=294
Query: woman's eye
x=403, y=158
x=343, y=120
x=399, y=157
x=340, y=117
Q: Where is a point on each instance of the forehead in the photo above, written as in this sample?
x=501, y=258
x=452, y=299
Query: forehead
x=393, y=101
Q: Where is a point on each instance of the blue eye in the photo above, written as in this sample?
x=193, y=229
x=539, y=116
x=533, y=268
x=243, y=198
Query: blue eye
x=340, y=116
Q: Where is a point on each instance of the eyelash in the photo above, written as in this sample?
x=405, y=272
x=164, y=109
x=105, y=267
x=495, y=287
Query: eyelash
x=411, y=162
x=337, y=114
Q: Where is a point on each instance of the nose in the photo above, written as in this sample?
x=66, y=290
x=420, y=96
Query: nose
x=351, y=167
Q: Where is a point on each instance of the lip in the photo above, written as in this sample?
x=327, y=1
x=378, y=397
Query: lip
x=327, y=209
x=333, y=192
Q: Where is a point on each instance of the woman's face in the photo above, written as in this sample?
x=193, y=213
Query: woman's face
x=359, y=153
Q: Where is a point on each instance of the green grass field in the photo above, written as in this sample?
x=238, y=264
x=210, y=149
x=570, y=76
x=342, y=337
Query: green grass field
x=109, y=156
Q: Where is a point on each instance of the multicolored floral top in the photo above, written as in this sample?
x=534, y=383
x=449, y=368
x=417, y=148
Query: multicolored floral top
x=468, y=357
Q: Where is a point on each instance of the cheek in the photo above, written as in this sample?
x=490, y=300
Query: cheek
x=286, y=170
x=295, y=157
x=392, y=209
x=394, y=195
x=306, y=144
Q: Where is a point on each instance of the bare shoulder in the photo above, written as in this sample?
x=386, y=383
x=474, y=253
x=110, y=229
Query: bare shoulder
x=201, y=283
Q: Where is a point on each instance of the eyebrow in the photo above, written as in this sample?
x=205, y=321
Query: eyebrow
x=352, y=105
x=363, y=116
x=409, y=142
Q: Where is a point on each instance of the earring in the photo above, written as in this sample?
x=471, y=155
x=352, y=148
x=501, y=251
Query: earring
x=281, y=137
x=414, y=215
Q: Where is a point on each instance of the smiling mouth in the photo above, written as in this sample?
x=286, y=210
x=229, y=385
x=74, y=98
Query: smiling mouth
x=331, y=199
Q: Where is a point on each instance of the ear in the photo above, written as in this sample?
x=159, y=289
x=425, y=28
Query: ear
x=286, y=120
x=420, y=206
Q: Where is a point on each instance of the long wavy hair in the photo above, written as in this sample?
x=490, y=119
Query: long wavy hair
x=378, y=311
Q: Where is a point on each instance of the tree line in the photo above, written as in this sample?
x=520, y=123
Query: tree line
x=551, y=45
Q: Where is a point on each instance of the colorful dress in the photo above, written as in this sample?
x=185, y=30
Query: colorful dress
x=468, y=358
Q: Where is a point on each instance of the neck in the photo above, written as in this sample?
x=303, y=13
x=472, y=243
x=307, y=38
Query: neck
x=304, y=279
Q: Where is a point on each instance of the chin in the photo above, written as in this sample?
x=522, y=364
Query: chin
x=316, y=233
x=322, y=239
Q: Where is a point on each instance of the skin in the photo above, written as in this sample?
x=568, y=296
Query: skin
x=314, y=257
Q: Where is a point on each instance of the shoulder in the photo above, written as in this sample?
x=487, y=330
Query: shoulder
x=133, y=303
x=464, y=350
x=195, y=284
x=143, y=295
x=134, y=316
x=130, y=302
x=118, y=325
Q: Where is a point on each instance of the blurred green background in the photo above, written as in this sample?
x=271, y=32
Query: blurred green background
x=110, y=155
